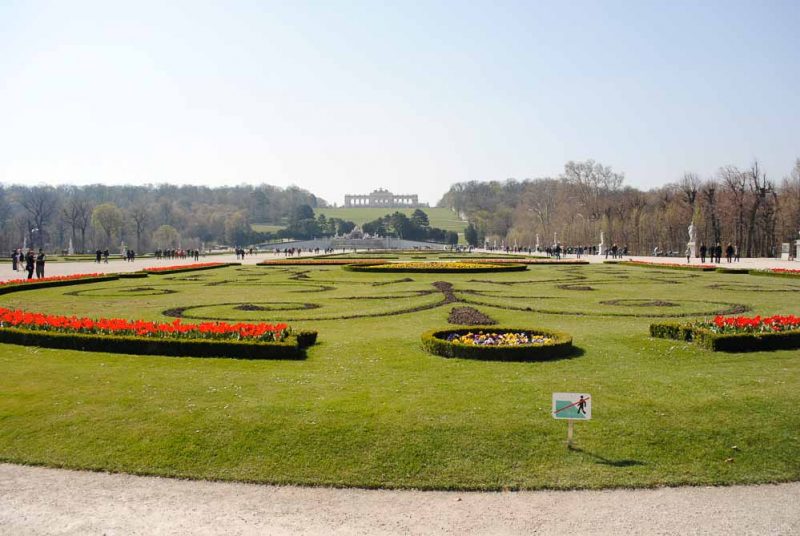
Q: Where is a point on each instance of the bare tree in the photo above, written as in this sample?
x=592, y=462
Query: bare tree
x=41, y=203
x=140, y=215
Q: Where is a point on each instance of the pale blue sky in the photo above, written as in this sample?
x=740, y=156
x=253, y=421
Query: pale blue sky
x=344, y=97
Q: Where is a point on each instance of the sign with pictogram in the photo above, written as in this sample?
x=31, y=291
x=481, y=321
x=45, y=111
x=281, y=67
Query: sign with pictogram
x=576, y=406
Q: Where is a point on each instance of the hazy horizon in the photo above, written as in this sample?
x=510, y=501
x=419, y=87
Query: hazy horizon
x=347, y=97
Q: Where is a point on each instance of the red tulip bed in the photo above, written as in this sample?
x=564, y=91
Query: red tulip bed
x=736, y=333
x=208, y=339
x=188, y=267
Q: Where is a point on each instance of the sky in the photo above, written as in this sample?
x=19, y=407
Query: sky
x=347, y=96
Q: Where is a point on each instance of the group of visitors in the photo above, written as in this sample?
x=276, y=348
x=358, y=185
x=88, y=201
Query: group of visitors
x=30, y=260
x=178, y=254
x=715, y=253
x=101, y=254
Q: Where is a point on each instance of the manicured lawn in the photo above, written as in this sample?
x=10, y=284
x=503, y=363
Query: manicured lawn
x=368, y=407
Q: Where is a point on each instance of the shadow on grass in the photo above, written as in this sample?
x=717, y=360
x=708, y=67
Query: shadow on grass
x=602, y=460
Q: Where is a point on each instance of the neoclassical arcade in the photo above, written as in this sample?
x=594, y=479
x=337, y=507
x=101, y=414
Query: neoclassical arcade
x=382, y=198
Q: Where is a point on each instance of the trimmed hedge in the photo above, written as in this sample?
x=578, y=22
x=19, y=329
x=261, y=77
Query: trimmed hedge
x=190, y=269
x=291, y=348
x=774, y=274
x=667, y=266
x=435, y=342
x=727, y=342
x=733, y=270
x=489, y=268
x=132, y=275
x=5, y=289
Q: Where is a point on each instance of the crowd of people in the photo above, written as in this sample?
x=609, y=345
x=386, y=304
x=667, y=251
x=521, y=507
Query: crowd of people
x=30, y=261
x=714, y=253
x=179, y=254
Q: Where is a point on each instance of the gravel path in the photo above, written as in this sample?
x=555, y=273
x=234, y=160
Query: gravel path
x=35, y=500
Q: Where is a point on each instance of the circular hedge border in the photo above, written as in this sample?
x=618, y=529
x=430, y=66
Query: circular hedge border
x=430, y=268
x=435, y=342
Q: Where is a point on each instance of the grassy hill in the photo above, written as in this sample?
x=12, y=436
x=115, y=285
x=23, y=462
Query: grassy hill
x=442, y=218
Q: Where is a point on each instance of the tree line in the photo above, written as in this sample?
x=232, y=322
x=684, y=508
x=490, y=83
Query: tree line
x=143, y=217
x=305, y=225
x=743, y=207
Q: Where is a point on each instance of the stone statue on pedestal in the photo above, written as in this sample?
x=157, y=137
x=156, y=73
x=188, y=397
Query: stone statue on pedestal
x=692, y=244
x=537, y=241
x=602, y=247
x=70, y=249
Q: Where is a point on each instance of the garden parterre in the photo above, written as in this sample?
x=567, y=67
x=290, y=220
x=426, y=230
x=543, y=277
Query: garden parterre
x=369, y=407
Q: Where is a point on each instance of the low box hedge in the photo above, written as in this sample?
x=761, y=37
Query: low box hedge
x=774, y=274
x=378, y=269
x=726, y=342
x=695, y=268
x=16, y=287
x=190, y=268
x=132, y=275
x=671, y=330
x=291, y=348
x=733, y=270
x=435, y=342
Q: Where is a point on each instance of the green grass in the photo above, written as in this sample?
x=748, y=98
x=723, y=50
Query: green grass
x=266, y=227
x=369, y=407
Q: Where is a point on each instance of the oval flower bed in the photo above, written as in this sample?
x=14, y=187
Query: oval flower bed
x=438, y=267
x=498, y=343
x=119, y=335
x=736, y=333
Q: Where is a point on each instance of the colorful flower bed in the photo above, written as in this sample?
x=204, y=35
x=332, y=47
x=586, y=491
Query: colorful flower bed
x=498, y=344
x=673, y=266
x=492, y=338
x=780, y=272
x=208, y=339
x=14, y=285
x=755, y=324
x=439, y=267
x=531, y=261
x=141, y=328
x=49, y=279
x=318, y=262
x=736, y=333
x=188, y=267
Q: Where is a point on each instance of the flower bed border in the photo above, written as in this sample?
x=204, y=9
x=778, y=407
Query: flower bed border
x=489, y=268
x=433, y=342
x=770, y=273
x=319, y=262
x=155, y=270
x=34, y=284
x=293, y=347
x=668, y=266
x=726, y=342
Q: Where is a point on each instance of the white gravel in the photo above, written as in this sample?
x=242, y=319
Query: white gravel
x=36, y=501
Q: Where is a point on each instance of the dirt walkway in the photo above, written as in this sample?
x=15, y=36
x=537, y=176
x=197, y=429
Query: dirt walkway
x=36, y=500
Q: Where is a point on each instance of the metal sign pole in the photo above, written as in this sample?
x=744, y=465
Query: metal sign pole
x=570, y=429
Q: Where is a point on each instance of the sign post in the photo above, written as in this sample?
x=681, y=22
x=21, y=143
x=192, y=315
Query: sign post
x=572, y=407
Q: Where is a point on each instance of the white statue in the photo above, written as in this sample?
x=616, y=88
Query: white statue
x=692, y=245
x=70, y=249
x=601, y=248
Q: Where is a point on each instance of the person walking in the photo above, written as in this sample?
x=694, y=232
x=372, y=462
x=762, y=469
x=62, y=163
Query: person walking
x=703, y=252
x=29, y=263
x=14, y=260
x=40, y=264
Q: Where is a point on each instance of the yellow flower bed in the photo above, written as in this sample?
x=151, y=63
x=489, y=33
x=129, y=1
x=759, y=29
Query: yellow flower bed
x=439, y=267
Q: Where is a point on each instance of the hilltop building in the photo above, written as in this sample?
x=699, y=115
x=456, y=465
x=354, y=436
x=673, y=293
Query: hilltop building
x=382, y=198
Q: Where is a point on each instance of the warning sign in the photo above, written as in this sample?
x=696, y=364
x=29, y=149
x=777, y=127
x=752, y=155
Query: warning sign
x=576, y=406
